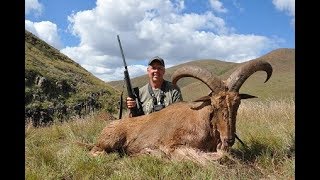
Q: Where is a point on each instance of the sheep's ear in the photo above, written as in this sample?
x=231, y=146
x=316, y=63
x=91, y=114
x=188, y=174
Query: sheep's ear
x=246, y=96
x=200, y=103
x=204, y=98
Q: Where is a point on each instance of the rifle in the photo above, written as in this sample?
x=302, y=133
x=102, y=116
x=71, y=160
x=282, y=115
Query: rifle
x=132, y=93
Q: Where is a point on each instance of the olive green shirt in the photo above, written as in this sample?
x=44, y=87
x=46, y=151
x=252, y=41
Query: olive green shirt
x=171, y=92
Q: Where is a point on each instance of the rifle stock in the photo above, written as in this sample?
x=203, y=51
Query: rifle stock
x=136, y=111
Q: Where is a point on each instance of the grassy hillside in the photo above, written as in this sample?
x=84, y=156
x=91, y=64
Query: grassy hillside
x=56, y=86
x=282, y=81
x=280, y=85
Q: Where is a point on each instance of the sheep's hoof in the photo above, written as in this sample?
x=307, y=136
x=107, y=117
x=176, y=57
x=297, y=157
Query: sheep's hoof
x=96, y=151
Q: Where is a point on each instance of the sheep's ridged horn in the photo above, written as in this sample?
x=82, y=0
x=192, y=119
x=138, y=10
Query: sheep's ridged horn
x=213, y=82
x=238, y=77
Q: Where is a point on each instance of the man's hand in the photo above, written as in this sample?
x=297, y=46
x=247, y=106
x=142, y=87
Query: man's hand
x=131, y=103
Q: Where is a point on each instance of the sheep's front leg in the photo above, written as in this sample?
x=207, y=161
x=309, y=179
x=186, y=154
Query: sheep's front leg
x=195, y=155
x=96, y=151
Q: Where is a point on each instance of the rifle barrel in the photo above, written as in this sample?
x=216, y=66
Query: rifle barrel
x=137, y=109
x=124, y=61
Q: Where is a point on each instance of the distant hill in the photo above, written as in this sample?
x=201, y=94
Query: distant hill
x=280, y=85
x=58, y=87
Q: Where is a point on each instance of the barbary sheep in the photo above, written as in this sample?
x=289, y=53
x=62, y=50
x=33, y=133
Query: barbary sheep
x=192, y=130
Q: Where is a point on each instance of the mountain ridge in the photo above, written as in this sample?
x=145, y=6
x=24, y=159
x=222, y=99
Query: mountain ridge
x=280, y=85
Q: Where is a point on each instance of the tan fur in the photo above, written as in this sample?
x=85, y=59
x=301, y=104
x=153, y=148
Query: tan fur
x=189, y=129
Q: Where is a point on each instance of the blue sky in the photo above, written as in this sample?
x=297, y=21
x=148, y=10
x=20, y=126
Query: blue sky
x=176, y=30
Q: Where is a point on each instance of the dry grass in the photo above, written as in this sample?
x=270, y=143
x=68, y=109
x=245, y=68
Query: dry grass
x=267, y=129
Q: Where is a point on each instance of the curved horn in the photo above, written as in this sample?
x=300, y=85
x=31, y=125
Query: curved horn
x=213, y=82
x=238, y=77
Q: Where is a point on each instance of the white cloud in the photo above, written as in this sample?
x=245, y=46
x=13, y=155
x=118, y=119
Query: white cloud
x=287, y=6
x=116, y=74
x=150, y=28
x=46, y=31
x=218, y=6
x=33, y=6
x=237, y=5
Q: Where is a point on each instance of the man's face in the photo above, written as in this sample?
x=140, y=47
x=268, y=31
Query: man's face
x=155, y=71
